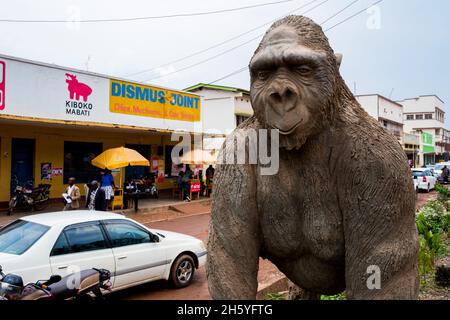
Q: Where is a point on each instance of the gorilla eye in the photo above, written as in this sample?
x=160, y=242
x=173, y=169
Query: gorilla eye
x=262, y=74
x=304, y=69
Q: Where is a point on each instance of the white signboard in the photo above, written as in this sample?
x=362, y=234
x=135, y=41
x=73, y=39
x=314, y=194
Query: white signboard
x=34, y=90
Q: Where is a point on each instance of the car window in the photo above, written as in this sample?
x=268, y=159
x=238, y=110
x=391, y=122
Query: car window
x=19, y=236
x=61, y=246
x=85, y=237
x=124, y=233
x=417, y=174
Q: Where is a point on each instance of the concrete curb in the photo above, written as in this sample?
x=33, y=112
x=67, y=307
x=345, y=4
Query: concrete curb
x=163, y=208
x=277, y=285
x=178, y=217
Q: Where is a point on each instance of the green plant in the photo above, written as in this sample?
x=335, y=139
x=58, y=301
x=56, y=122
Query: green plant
x=430, y=231
x=275, y=296
x=340, y=296
x=433, y=216
x=444, y=192
x=426, y=257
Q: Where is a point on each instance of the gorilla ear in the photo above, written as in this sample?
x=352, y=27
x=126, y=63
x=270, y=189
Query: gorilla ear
x=338, y=59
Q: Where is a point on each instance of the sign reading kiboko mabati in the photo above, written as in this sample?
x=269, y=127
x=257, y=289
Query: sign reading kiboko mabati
x=140, y=100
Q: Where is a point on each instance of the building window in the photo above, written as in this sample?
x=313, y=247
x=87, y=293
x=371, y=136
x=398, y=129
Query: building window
x=409, y=117
x=77, y=160
x=240, y=119
x=438, y=132
x=429, y=116
x=419, y=116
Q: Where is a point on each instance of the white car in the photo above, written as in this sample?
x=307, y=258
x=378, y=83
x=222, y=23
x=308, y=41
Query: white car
x=425, y=179
x=438, y=170
x=62, y=243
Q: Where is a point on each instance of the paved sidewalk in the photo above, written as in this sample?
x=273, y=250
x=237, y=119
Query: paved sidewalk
x=151, y=210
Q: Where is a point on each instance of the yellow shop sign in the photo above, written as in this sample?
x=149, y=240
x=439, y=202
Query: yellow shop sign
x=140, y=100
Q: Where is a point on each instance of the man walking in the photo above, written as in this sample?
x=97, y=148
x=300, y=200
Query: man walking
x=73, y=196
x=187, y=183
x=96, y=198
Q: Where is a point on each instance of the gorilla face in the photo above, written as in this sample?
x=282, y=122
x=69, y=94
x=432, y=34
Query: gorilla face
x=291, y=85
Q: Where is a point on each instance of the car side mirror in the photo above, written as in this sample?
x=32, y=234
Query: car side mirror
x=154, y=237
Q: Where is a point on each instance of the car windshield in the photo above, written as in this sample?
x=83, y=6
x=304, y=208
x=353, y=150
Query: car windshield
x=418, y=173
x=440, y=166
x=19, y=236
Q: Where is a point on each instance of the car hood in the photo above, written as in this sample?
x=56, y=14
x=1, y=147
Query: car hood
x=6, y=257
x=171, y=235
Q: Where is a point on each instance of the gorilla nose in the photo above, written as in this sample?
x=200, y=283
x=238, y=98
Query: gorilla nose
x=283, y=97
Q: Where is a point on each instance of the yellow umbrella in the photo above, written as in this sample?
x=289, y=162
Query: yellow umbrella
x=118, y=158
x=198, y=157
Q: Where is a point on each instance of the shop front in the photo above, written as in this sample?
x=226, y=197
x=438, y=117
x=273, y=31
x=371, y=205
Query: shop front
x=428, y=149
x=55, y=120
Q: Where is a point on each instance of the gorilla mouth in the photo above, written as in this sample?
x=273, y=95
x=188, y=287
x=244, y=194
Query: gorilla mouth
x=288, y=132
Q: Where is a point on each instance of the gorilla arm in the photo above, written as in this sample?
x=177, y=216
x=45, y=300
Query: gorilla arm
x=377, y=203
x=234, y=237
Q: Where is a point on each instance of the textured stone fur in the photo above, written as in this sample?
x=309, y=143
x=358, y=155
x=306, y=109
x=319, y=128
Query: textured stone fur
x=342, y=201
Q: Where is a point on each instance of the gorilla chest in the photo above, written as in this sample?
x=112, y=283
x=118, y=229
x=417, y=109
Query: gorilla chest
x=299, y=211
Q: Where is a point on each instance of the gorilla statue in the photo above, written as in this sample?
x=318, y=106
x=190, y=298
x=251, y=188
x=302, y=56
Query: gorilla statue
x=339, y=213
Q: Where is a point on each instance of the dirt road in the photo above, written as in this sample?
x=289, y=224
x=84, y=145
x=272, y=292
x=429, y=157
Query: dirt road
x=196, y=226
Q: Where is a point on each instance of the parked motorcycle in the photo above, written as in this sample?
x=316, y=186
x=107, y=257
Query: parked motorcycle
x=26, y=198
x=86, y=285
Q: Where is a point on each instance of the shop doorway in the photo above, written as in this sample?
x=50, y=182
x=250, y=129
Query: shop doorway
x=22, y=162
x=137, y=172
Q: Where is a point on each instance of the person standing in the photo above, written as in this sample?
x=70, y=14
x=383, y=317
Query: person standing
x=210, y=173
x=107, y=185
x=187, y=183
x=445, y=174
x=129, y=191
x=202, y=183
x=96, y=199
x=73, y=194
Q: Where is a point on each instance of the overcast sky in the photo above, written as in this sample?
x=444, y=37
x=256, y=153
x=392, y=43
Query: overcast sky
x=400, y=50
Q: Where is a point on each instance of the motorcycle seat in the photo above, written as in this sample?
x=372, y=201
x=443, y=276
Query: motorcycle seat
x=74, y=284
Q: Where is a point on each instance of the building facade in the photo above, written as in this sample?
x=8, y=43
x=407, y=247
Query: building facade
x=387, y=112
x=54, y=120
x=425, y=116
x=224, y=108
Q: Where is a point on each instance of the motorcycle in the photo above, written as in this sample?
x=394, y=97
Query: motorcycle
x=88, y=284
x=34, y=198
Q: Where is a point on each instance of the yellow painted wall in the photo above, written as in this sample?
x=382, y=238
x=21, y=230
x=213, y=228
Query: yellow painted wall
x=49, y=147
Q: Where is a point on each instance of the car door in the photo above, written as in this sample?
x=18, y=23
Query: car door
x=79, y=247
x=138, y=257
x=432, y=179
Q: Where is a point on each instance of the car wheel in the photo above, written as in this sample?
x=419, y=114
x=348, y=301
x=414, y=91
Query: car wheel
x=182, y=271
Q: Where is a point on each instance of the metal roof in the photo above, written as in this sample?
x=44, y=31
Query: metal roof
x=200, y=86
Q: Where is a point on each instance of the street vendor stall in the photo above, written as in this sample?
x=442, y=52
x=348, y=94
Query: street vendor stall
x=196, y=157
x=119, y=158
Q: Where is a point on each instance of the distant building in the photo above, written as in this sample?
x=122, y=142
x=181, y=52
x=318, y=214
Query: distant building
x=389, y=115
x=224, y=108
x=387, y=112
x=425, y=115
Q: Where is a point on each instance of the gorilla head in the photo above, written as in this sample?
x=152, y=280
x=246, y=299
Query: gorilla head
x=295, y=80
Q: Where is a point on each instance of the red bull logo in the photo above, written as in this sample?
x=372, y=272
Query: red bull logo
x=2, y=84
